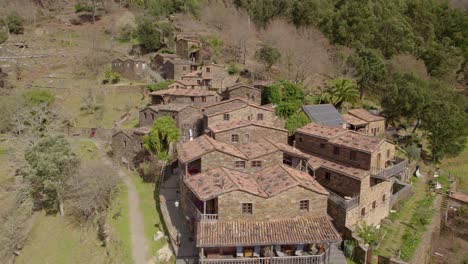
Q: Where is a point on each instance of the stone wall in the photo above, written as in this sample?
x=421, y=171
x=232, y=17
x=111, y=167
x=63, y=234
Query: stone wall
x=282, y=206
x=251, y=133
x=377, y=126
x=253, y=95
x=246, y=113
x=147, y=117
x=89, y=132
x=127, y=150
x=216, y=159
x=133, y=70
x=338, y=183
x=338, y=215
x=386, y=152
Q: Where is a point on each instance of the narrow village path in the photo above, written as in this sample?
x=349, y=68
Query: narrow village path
x=137, y=232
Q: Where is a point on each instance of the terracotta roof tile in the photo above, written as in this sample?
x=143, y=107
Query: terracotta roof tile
x=299, y=230
x=353, y=120
x=168, y=107
x=365, y=115
x=185, y=92
x=224, y=106
x=459, y=196
x=318, y=162
x=239, y=85
x=289, y=149
x=229, y=125
x=322, y=131
x=258, y=149
x=358, y=141
x=202, y=145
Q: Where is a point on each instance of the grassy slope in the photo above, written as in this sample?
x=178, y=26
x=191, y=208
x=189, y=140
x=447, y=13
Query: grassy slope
x=458, y=167
x=152, y=222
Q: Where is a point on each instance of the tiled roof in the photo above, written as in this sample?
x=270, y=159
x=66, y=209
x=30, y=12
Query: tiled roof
x=258, y=149
x=141, y=130
x=239, y=85
x=185, y=92
x=316, y=162
x=202, y=145
x=167, y=107
x=211, y=184
x=322, y=131
x=365, y=115
x=176, y=61
x=299, y=230
x=358, y=141
x=325, y=114
x=353, y=120
x=289, y=149
x=167, y=55
x=224, y=106
x=279, y=178
x=229, y=125
x=459, y=196
x=189, y=82
x=266, y=183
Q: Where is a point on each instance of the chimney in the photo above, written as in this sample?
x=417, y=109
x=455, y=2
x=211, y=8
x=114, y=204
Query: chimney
x=294, y=144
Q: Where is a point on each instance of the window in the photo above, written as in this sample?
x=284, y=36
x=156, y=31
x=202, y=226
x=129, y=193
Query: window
x=327, y=176
x=125, y=143
x=145, y=115
x=300, y=139
x=247, y=208
x=384, y=198
x=226, y=117
x=304, y=205
x=388, y=153
x=208, y=69
x=352, y=155
x=247, y=137
x=141, y=145
x=199, y=82
x=192, y=99
x=239, y=164
x=336, y=150
x=374, y=204
x=235, y=138
x=152, y=116
x=363, y=211
x=260, y=116
x=203, y=99
x=322, y=145
x=184, y=68
x=256, y=164
x=143, y=66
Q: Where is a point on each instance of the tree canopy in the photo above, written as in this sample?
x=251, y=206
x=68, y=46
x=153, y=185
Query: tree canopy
x=268, y=55
x=148, y=35
x=340, y=90
x=163, y=132
x=287, y=96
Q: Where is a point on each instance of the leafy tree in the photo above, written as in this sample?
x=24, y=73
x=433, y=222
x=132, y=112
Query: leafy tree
x=370, y=69
x=167, y=7
x=413, y=152
x=51, y=162
x=163, y=132
x=159, y=86
x=287, y=96
x=296, y=121
x=268, y=55
x=148, y=35
x=406, y=98
x=340, y=90
x=14, y=23
x=447, y=129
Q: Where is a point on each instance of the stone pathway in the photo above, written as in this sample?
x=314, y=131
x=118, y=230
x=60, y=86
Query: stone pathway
x=176, y=222
x=336, y=255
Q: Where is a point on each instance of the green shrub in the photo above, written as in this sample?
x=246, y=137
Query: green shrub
x=232, y=69
x=296, y=121
x=159, y=86
x=15, y=23
x=83, y=7
x=148, y=35
x=126, y=33
x=111, y=77
x=3, y=36
x=38, y=96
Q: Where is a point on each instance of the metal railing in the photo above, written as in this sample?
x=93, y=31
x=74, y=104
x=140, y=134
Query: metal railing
x=199, y=216
x=346, y=204
x=312, y=259
x=398, y=166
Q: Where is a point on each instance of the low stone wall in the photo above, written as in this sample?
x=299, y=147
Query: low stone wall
x=89, y=132
x=405, y=191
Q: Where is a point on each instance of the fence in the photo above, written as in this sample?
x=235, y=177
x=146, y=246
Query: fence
x=344, y=203
x=399, y=166
x=404, y=191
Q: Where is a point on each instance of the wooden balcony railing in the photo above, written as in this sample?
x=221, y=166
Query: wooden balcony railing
x=193, y=210
x=346, y=204
x=398, y=166
x=312, y=259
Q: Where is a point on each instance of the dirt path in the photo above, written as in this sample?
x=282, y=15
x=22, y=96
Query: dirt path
x=139, y=246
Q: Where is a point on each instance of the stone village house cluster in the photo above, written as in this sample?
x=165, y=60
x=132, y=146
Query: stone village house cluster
x=246, y=192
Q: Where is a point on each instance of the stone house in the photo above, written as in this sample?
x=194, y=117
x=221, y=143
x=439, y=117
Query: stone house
x=197, y=78
x=187, y=117
x=277, y=213
x=243, y=132
x=357, y=169
x=160, y=59
x=130, y=69
x=184, y=84
x=204, y=153
x=127, y=146
x=365, y=122
x=239, y=109
x=188, y=48
x=240, y=90
x=198, y=97
x=174, y=69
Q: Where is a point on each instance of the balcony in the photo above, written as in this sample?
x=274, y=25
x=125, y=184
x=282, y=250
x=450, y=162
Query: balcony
x=308, y=259
x=199, y=216
x=396, y=166
x=346, y=204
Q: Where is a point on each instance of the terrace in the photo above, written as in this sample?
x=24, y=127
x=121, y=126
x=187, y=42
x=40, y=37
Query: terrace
x=345, y=203
x=394, y=167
